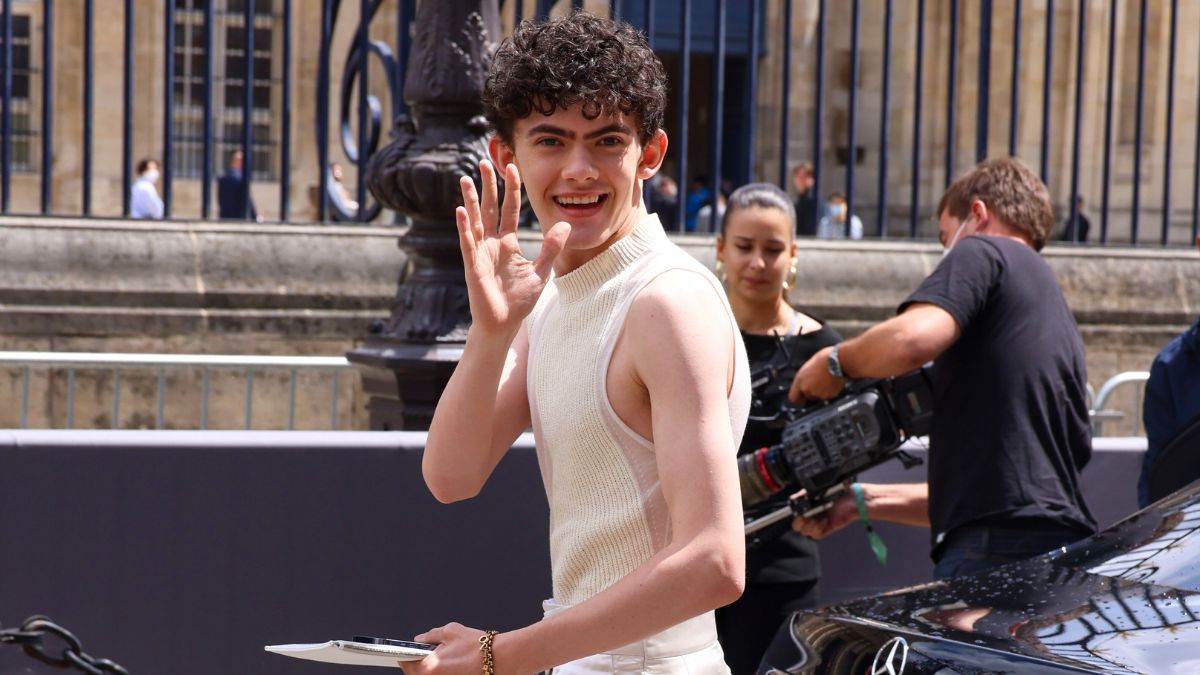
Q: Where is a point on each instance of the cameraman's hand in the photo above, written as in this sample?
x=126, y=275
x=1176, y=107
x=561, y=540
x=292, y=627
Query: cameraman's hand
x=813, y=380
x=840, y=513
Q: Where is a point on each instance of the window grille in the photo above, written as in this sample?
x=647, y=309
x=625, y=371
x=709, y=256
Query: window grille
x=229, y=50
x=24, y=75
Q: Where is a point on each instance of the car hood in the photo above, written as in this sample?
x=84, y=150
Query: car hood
x=1126, y=600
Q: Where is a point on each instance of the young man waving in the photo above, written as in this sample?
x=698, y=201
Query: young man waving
x=617, y=347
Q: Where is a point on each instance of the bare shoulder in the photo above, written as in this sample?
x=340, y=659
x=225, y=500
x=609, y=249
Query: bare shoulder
x=679, y=298
x=678, y=326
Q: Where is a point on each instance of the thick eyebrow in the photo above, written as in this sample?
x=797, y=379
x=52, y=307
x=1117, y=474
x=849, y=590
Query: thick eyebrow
x=614, y=128
x=545, y=128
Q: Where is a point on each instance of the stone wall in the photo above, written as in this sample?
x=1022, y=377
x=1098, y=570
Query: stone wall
x=197, y=288
x=91, y=285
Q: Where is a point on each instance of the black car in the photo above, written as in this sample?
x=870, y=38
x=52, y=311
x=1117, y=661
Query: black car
x=1126, y=600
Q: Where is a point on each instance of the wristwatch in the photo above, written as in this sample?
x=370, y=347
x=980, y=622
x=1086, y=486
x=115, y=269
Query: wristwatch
x=835, y=364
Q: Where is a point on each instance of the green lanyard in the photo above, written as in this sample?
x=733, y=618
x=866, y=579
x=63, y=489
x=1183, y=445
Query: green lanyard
x=877, y=545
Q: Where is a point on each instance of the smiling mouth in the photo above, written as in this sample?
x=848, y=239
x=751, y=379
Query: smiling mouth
x=581, y=202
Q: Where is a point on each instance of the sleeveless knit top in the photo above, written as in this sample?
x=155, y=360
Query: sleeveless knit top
x=607, y=511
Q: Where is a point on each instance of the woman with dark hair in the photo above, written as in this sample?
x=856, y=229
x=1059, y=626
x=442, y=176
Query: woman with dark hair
x=756, y=259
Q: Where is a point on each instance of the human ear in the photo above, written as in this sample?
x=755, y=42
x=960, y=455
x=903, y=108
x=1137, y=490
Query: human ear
x=501, y=153
x=980, y=211
x=653, y=154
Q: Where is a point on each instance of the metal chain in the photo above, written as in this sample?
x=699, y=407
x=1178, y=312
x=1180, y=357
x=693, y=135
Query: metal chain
x=36, y=629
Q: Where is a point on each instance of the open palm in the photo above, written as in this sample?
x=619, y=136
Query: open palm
x=502, y=284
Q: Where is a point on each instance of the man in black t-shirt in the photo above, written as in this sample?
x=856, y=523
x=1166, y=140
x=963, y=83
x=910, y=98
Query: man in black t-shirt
x=1010, y=430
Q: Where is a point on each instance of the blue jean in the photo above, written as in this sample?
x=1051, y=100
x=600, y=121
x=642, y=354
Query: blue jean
x=976, y=548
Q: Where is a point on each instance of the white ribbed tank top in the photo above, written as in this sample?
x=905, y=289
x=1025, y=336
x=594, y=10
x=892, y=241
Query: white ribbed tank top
x=607, y=512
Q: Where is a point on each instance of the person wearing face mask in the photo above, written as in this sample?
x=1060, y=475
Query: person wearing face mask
x=756, y=258
x=1010, y=430
x=838, y=222
x=144, y=201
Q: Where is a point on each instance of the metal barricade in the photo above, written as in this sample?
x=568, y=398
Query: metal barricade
x=116, y=362
x=1102, y=414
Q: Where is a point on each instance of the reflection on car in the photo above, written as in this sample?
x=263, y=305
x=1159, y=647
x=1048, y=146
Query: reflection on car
x=1126, y=600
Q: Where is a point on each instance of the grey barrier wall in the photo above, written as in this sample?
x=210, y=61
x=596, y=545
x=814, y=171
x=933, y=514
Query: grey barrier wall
x=185, y=552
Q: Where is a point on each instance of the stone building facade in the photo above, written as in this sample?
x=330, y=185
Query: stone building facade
x=764, y=134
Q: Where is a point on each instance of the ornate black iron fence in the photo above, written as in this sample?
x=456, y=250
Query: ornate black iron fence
x=887, y=100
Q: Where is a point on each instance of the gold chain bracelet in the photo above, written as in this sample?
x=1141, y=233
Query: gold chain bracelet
x=485, y=650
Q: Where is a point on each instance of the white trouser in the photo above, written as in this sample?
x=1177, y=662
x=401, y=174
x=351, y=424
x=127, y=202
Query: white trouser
x=687, y=648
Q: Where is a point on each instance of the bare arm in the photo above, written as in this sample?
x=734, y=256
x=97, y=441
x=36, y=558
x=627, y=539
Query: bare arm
x=702, y=567
x=904, y=503
x=488, y=388
x=904, y=342
x=895, y=346
x=488, y=385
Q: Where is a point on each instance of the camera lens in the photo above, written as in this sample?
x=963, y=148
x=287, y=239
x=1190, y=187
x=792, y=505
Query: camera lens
x=762, y=473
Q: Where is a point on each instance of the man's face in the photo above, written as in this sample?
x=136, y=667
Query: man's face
x=585, y=172
x=948, y=229
x=802, y=179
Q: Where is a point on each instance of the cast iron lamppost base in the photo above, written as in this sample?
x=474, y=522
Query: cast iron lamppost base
x=408, y=359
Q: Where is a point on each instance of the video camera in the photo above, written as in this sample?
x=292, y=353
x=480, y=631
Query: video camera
x=825, y=445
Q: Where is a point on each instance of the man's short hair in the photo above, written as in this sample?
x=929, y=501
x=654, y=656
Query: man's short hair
x=1010, y=190
x=607, y=66
x=144, y=164
x=805, y=166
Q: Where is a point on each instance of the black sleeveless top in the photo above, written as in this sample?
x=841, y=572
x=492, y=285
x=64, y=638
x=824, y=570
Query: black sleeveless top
x=790, y=556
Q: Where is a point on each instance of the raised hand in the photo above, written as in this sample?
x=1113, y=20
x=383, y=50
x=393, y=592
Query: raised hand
x=502, y=284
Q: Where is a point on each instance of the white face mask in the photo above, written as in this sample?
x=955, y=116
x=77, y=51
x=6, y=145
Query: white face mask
x=151, y=175
x=954, y=239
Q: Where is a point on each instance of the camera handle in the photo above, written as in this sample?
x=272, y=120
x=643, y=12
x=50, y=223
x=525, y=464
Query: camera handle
x=795, y=508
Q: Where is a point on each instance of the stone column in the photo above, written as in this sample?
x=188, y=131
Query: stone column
x=406, y=362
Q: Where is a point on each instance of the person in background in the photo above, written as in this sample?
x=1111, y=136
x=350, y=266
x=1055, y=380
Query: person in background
x=144, y=201
x=664, y=199
x=756, y=257
x=697, y=196
x=1172, y=400
x=833, y=224
x=233, y=191
x=1079, y=234
x=806, y=199
x=704, y=218
x=1010, y=432
x=347, y=203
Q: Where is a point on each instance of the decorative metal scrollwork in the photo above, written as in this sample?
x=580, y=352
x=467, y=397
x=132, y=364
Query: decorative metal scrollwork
x=356, y=58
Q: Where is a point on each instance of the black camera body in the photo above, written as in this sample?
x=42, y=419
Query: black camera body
x=825, y=445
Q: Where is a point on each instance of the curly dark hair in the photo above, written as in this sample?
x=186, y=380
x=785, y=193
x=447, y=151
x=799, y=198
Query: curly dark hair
x=606, y=65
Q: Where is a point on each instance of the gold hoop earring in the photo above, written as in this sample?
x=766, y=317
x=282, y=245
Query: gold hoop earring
x=719, y=270
x=791, y=278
